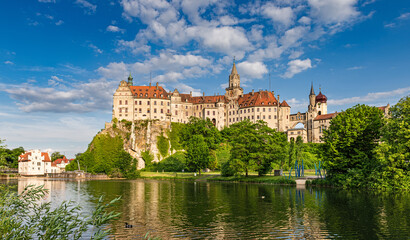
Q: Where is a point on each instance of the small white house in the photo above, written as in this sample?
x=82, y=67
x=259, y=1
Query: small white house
x=61, y=163
x=35, y=163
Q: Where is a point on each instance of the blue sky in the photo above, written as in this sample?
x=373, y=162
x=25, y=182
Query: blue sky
x=60, y=60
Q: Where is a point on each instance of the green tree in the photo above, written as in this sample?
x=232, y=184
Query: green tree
x=163, y=145
x=291, y=155
x=394, y=151
x=56, y=155
x=197, y=154
x=298, y=148
x=197, y=126
x=349, y=144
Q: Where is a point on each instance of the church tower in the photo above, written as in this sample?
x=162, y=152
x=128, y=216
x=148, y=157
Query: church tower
x=234, y=90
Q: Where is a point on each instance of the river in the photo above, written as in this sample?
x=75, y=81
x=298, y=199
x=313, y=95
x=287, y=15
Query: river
x=201, y=210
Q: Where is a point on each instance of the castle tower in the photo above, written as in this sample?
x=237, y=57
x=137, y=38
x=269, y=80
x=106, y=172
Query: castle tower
x=312, y=98
x=130, y=80
x=321, y=102
x=234, y=90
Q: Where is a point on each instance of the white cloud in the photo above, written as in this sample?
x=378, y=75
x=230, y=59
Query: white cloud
x=283, y=15
x=47, y=1
x=8, y=62
x=372, y=97
x=59, y=22
x=252, y=69
x=82, y=97
x=297, y=66
x=334, y=11
x=404, y=16
x=95, y=48
x=55, y=81
x=88, y=7
x=112, y=28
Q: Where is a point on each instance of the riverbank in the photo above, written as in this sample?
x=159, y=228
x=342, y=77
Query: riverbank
x=216, y=177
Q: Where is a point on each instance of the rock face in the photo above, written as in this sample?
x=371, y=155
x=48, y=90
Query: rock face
x=139, y=136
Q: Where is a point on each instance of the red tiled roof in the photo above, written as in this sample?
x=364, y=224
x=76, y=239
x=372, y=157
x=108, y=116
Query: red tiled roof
x=46, y=157
x=64, y=159
x=383, y=108
x=208, y=99
x=261, y=98
x=325, y=116
x=284, y=104
x=24, y=157
x=149, y=92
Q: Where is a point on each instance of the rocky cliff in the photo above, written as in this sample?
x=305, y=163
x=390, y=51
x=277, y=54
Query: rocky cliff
x=140, y=136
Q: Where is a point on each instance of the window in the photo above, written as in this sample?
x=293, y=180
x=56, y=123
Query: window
x=147, y=102
x=155, y=110
x=199, y=114
x=213, y=113
x=126, y=110
x=186, y=113
x=167, y=103
x=275, y=116
x=136, y=102
x=38, y=164
x=126, y=102
x=269, y=109
x=249, y=110
x=120, y=102
x=257, y=109
x=207, y=113
x=162, y=103
x=120, y=110
x=186, y=107
x=263, y=109
x=176, y=112
x=140, y=102
x=269, y=117
x=155, y=95
x=140, y=110
x=155, y=102
x=257, y=117
x=140, y=94
x=253, y=117
x=263, y=116
x=148, y=110
x=162, y=110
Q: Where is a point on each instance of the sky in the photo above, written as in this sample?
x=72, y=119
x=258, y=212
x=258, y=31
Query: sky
x=61, y=61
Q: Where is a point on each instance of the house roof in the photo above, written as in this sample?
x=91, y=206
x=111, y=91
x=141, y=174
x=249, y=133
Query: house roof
x=46, y=157
x=284, y=104
x=325, y=116
x=321, y=98
x=62, y=160
x=208, y=99
x=24, y=157
x=149, y=92
x=261, y=98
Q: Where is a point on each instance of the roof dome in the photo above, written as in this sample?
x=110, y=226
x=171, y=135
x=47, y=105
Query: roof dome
x=321, y=98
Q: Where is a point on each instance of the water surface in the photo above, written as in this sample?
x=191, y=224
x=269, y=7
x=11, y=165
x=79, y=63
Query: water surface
x=201, y=210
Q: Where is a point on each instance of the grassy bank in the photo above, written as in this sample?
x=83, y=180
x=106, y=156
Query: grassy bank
x=216, y=177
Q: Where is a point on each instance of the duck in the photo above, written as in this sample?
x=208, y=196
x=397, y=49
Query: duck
x=128, y=225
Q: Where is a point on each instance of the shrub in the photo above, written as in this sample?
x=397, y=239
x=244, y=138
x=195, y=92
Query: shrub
x=173, y=163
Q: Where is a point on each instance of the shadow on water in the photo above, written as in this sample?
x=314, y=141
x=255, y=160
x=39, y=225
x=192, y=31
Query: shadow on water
x=198, y=210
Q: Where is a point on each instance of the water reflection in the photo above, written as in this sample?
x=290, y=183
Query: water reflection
x=200, y=210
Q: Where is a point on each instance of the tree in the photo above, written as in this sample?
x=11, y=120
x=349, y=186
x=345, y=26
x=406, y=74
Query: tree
x=206, y=128
x=349, y=144
x=56, y=155
x=298, y=148
x=291, y=156
x=394, y=151
x=255, y=146
x=197, y=154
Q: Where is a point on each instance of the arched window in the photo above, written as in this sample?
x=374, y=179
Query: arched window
x=140, y=94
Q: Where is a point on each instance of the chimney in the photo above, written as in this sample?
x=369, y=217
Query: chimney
x=150, y=84
x=253, y=92
x=190, y=93
x=203, y=94
x=273, y=93
x=157, y=85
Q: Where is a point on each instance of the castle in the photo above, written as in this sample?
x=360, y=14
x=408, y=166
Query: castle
x=154, y=102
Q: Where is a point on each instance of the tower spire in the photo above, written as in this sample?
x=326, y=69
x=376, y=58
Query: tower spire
x=312, y=92
x=234, y=71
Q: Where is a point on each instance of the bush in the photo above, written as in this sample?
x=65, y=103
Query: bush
x=134, y=174
x=173, y=163
x=22, y=217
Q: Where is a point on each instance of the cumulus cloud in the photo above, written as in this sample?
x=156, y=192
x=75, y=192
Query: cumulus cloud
x=252, y=69
x=88, y=7
x=297, y=66
x=283, y=15
x=47, y=1
x=334, y=11
x=8, y=62
x=355, y=68
x=95, y=48
x=83, y=97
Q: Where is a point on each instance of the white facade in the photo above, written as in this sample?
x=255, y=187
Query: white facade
x=35, y=163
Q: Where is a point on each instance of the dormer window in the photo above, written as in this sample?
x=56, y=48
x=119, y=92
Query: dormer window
x=146, y=95
x=140, y=94
x=155, y=95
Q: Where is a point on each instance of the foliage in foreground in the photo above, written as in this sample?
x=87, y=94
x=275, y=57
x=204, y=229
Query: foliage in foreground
x=364, y=150
x=23, y=216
